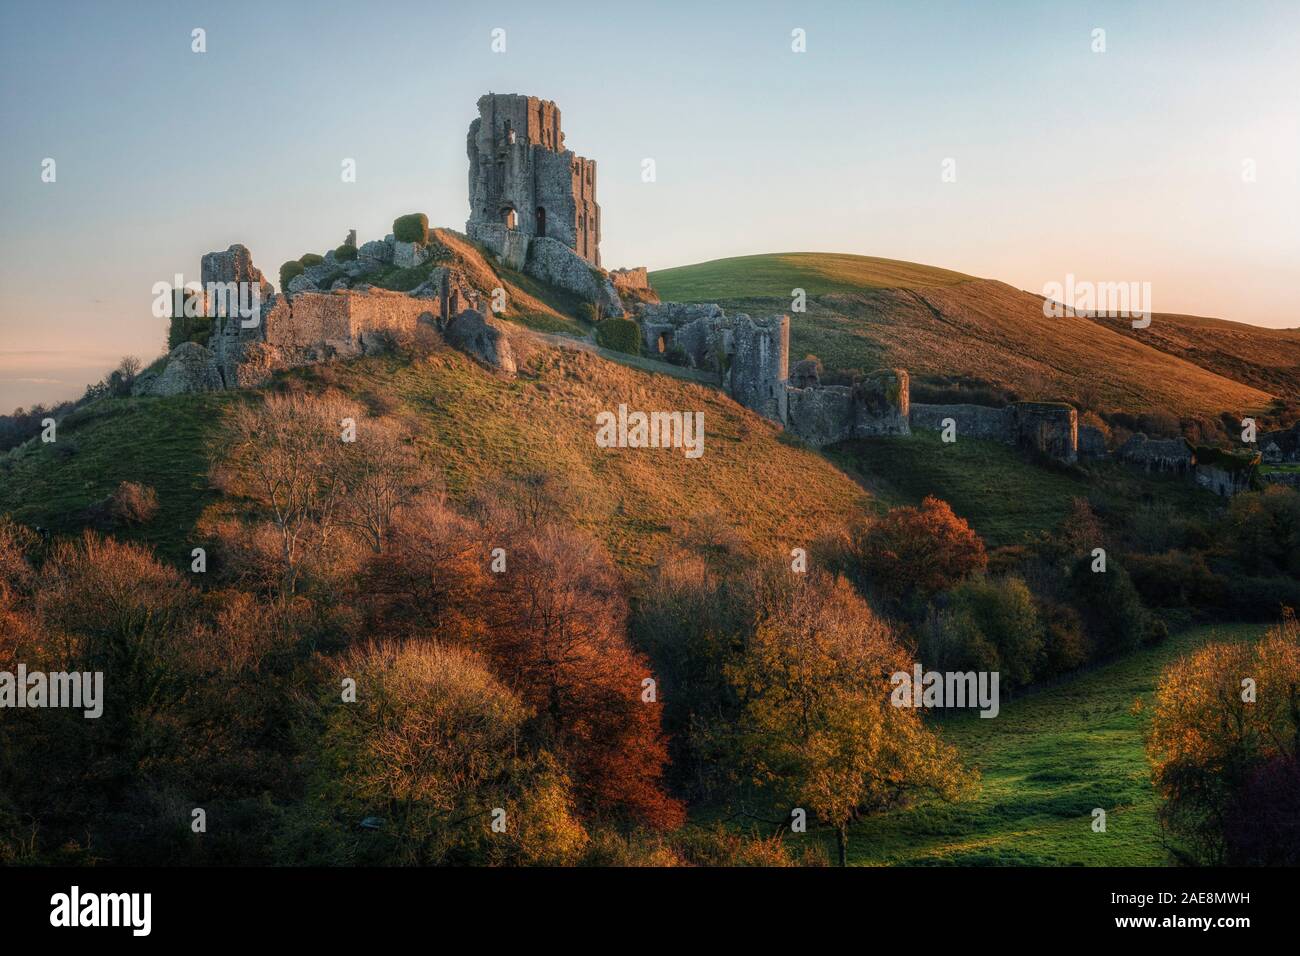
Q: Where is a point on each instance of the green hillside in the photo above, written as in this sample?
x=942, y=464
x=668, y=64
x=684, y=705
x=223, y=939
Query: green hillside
x=1048, y=759
x=776, y=274
x=1004, y=495
x=478, y=432
x=864, y=313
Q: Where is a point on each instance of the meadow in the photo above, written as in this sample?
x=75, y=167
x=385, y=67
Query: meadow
x=1047, y=761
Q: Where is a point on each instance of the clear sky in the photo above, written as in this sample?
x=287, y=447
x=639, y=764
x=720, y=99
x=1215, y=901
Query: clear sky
x=1125, y=165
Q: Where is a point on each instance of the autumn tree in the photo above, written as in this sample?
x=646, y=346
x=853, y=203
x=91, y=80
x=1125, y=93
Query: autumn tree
x=557, y=633
x=380, y=471
x=1224, y=743
x=816, y=728
x=285, y=454
x=430, y=754
x=431, y=571
x=918, y=551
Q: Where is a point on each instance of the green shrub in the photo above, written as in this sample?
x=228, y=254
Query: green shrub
x=1065, y=646
x=1003, y=611
x=587, y=312
x=951, y=640
x=288, y=271
x=345, y=253
x=1110, y=605
x=621, y=335
x=1176, y=579
x=310, y=259
x=411, y=228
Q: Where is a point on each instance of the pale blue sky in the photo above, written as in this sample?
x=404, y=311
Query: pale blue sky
x=1124, y=165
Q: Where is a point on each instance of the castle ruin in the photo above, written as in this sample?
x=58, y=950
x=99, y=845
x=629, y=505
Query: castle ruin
x=523, y=183
x=533, y=206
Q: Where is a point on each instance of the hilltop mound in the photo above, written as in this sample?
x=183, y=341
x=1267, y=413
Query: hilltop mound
x=477, y=431
x=777, y=273
x=864, y=313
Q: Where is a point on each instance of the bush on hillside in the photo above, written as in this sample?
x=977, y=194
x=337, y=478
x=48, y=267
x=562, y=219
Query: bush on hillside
x=309, y=259
x=951, y=640
x=411, y=228
x=1263, y=529
x=133, y=503
x=1003, y=610
x=434, y=743
x=345, y=253
x=1220, y=759
x=675, y=354
x=621, y=335
x=913, y=553
x=1065, y=646
x=288, y=272
x=1111, y=607
x=1176, y=579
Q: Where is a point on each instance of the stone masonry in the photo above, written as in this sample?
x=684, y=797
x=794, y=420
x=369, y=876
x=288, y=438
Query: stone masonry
x=532, y=202
x=523, y=180
x=533, y=205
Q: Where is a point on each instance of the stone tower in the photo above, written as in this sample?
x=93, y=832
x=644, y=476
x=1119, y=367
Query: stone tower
x=760, y=364
x=522, y=180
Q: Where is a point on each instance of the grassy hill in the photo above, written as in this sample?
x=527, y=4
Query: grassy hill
x=1005, y=496
x=477, y=431
x=1048, y=759
x=867, y=313
x=1268, y=359
x=776, y=275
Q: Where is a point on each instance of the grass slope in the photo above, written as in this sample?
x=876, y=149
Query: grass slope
x=1268, y=359
x=159, y=442
x=861, y=315
x=1004, y=495
x=778, y=274
x=1047, y=760
x=474, y=429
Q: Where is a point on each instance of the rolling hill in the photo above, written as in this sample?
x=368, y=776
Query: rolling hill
x=477, y=431
x=865, y=313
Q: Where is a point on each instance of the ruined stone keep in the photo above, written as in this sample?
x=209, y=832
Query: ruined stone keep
x=522, y=180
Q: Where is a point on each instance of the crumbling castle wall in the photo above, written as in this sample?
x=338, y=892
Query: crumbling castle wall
x=633, y=285
x=1281, y=446
x=1051, y=428
x=1224, y=482
x=1170, y=455
x=972, y=421
x=882, y=403
x=820, y=415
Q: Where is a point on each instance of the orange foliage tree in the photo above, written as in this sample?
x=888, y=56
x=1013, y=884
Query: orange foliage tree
x=919, y=550
x=1224, y=743
x=557, y=625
